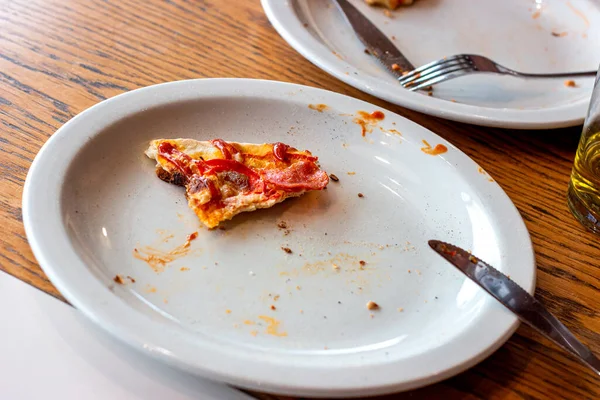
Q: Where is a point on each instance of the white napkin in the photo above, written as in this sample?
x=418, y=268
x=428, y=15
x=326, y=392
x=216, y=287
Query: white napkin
x=49, y=351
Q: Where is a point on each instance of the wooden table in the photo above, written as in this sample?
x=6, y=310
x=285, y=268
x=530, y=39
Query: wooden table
x=59, y=57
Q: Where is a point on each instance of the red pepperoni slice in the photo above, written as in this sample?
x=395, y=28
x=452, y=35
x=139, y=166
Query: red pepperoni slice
x=301, y=175
x=226, y=148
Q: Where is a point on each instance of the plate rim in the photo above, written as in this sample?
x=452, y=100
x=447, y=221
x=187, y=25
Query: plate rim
x=101, y=306
x=287, y=24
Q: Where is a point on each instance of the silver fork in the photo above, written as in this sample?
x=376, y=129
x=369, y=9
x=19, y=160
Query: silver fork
x=463, y=64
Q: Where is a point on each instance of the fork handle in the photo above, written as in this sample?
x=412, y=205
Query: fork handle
x=560, y=75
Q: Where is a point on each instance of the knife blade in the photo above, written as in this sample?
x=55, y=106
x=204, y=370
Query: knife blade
x=516, y=299
x=376, y=42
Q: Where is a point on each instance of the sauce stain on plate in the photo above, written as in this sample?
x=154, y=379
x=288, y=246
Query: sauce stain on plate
x=158, y=259
x=484, y=173
x=368, y=121
x=318, y=107
x=433, y=151
x=273, y=326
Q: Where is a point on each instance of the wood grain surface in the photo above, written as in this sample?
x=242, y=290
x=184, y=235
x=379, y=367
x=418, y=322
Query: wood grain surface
x=59, y=57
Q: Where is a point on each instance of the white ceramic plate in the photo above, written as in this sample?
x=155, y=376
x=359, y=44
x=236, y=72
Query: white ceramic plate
x=515, y=33
x=92, y=196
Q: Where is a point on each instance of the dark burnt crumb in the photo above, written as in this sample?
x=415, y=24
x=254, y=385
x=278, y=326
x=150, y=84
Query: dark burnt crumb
x=362, y=263
x=118, y=279
x=282, y=225
x=305, y=25
x=367, y=52
x=361, y=195
x=339, y=302
x=273, y=307
x=287, y=250
x=334, y=177
x=175, y=178
x=436, y=297
x=222, y=228
x=131, y=279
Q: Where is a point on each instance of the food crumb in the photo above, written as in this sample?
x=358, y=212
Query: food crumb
x=228, y=311
x=409, y=271
x=287, y=250
x=184, y=269
x=371, y=305
x=334, y=177
x=400, y=309
x=254, y=333
x=273, y=307
x=192, y=236
x=396, y=67
x=301, y=311
x=131, y=279
x=367, y=52
x=570, y=83
x=362, y=263
x=351, y=173
x=387, y=13
x=361, y=195
x=282, y=225
x=372, y=315
x=298, y=288
x=165, y=300
x=118, y=279
x=335, y=267
x=393, y=37
x=276, y=297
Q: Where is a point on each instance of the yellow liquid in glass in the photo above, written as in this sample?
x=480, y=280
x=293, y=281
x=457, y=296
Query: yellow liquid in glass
x=585, y=177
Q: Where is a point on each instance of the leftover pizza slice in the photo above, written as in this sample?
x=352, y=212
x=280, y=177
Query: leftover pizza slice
x=223, y=179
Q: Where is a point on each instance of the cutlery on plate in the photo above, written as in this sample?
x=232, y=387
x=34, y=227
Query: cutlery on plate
x=464, y=64
x=375, y=41
x=517, y=300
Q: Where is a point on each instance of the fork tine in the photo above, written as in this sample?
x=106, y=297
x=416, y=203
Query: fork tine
x=439, y=79
x=439, y=72
x=433, y=72
x=422, y=68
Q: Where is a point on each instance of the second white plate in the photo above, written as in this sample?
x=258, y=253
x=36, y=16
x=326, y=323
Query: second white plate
x=528, y=36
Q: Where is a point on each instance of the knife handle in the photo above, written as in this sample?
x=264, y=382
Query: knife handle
x=530, y=311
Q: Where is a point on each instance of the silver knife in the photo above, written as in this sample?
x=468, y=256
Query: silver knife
x=517, y=300
x=376, y=42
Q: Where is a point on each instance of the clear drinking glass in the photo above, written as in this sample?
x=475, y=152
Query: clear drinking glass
x=584, y=189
